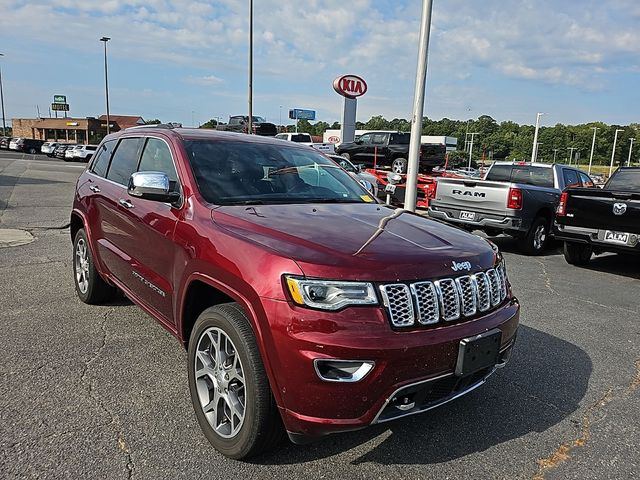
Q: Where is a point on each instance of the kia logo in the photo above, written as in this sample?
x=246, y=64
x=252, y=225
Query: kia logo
x=334, y=139
x=350, y=86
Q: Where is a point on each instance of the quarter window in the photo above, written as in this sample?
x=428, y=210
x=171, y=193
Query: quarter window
x=125, y=161
x=586, y=181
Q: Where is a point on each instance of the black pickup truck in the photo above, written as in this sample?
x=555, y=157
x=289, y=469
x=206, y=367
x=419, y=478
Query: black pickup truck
x=240, y=124
x=593, y=220
x=386, y=149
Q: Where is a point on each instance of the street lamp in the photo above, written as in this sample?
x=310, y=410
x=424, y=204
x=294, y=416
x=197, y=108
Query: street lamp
x=534, y=149
x=106, y=80
x=537, y=148
x=593, y=144
x=571, y=149
x=280, y=127
x=471, y=146
x=250, y=123
x=613, y=153
x=4, y=124
x=630, y=150
x=555, y=152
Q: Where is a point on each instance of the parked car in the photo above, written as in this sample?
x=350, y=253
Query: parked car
x=60, y=150
x=468, y=172
x=4, y=142
x=390, y=150
x=48, y=148
x=26, y=145
x=306, y=139
x=239, y=124
x=593, y=220
x=70, y=153
x=516, y=198
x=84, y=152
x=369, y=181
x=305, y=306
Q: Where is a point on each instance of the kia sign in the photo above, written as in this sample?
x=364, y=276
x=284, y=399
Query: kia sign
x=350, y=86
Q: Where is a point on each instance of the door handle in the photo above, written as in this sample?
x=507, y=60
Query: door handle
x=94, y=189
x=125, y=203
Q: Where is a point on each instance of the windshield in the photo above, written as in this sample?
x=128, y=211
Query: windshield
x=258, y=120
x=245, y=173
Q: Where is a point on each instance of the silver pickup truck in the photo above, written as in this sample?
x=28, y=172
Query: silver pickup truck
x=516, y=198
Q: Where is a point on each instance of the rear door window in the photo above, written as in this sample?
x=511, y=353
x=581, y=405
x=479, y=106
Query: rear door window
x=570, y=178
x=101, y=159
x=124, y=161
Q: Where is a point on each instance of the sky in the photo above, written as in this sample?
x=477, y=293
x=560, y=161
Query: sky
x=187, y=61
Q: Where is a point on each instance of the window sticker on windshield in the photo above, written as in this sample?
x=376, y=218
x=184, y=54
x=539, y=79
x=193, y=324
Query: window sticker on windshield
x=366, y=198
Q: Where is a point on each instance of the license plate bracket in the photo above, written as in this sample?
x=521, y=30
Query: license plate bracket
x=478, y=352
x=620, y=238
x=464, y=215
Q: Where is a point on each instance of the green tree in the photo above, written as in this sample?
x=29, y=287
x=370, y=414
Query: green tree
x=213, y=123
x=155, y=121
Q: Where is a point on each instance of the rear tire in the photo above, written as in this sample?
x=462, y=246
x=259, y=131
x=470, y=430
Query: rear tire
x=536, y=239
x=577, y=254
x=246, y=430
x=33, y=151
x=90, y=286
x=399, y=165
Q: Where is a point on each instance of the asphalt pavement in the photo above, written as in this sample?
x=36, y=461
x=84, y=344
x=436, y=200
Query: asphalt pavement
x=101, y=392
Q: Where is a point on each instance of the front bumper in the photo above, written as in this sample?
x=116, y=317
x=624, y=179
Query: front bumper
x=403, y=360
x=496, y=222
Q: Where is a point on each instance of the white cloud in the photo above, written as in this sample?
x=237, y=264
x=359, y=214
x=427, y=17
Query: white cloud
x=207, y=80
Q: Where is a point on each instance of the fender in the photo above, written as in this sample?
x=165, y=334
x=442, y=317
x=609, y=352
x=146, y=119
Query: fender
x=251, y=313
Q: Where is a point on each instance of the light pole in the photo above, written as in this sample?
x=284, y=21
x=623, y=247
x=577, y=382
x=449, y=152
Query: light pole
x=537, y=148
x=471, y=146
x=593, y=145
x=411, y=191
x=4, y=122
x=630, y=150
x=571, y=149
x=534, y=150
x=106, y=80
x=613, y=153
x=555, y=152
x=280, y=125
x=250, y=123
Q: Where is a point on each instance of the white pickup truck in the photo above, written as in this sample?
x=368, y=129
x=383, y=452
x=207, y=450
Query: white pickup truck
x=306, y=139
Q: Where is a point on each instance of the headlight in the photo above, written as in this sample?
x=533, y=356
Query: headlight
x=330, y=295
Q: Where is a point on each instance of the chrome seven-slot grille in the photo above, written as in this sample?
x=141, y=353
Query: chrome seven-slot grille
x=447, y=299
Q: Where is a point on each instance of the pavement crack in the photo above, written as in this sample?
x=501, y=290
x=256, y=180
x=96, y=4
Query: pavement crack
x=635, y=381
x=547, y=278
x=121, y=442
x=563, y=452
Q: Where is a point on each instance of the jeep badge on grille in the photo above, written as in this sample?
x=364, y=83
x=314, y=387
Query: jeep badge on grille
x=457, y=266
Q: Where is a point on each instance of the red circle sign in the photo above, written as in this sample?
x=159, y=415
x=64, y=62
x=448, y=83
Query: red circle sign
x=350, y=86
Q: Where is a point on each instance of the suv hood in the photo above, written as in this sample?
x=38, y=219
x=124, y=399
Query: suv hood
x=358, y=241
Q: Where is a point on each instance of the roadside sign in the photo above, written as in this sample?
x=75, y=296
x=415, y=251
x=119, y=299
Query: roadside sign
x=60, y=107
x=59, y=99
x=301, y=114
x=350, y=86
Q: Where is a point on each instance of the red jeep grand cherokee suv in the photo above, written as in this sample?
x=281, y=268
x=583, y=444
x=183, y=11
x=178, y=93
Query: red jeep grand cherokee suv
x=306, y=306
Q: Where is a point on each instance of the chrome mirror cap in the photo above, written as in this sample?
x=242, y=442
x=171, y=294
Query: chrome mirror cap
x=142, y=184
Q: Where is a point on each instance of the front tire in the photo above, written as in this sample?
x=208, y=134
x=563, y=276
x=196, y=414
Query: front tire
x=577, y=254
x=229, y=387
x=399, y=165
x=90, y=286
x=536, y=239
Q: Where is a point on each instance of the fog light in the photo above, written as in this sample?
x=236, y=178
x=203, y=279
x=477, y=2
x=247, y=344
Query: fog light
x=342, y=370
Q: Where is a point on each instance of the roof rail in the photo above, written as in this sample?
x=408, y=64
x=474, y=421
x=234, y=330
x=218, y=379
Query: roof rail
x=170, y=125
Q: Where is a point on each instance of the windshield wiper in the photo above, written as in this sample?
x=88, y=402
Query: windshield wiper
x=328, y=200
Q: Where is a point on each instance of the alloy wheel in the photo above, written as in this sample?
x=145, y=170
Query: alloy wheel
x=220, y=382
x=539, y=237
x=82, y=265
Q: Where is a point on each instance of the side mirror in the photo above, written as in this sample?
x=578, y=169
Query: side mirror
x=358, y=142
x=151, y=186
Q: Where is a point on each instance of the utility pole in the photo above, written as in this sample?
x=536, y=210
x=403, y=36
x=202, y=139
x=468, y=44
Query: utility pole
x=4, y=121
x=630, y=150
x=537, y=148
x=613, y=153
x=534, y=150
x=571, y=149
x=250, y=123
x=555, y=152
x=593, y=145
x=471, y=146
x=106, y=80
x=411, y=191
